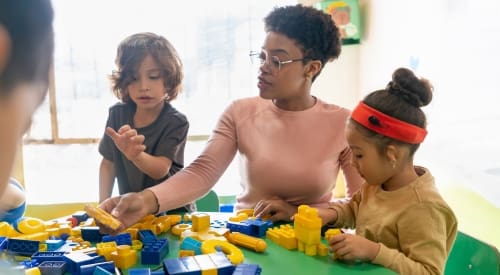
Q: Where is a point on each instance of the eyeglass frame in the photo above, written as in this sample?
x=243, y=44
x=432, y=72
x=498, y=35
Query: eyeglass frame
x=280, y=63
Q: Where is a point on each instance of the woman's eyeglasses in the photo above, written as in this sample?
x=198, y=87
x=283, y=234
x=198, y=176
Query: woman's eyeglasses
x=275, y=63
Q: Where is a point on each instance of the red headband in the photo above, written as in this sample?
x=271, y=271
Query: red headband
x=387, y=126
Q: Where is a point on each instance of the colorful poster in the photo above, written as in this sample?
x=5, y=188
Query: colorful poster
x=345, y=14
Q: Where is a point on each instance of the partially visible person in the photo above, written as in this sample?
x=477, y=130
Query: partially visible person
x=145, y=136
x=12, y=202
x=401, y=220
x=26, y=53
x=292, y=144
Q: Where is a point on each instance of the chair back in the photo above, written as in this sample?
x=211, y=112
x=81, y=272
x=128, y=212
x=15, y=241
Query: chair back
x=208, y=203
x=472, y=256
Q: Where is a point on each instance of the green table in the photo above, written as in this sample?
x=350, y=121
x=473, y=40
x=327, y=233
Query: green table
x=279, y=260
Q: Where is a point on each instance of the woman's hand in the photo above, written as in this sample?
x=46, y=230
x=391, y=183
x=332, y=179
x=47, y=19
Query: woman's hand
x=276, y=208
x=129, y=209
x=353, y=247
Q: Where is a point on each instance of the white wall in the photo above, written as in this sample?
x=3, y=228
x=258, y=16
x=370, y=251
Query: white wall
x=456, y=45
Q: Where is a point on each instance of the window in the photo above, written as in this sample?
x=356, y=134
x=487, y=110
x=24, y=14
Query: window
x=213, y=39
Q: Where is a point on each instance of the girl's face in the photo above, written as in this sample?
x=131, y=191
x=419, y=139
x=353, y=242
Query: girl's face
x=375, y=168
x=287, y=82
x=147, y=89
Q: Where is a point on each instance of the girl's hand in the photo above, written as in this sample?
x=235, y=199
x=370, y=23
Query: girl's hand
x=276, y=208
x=128, y=141
x=353, y=247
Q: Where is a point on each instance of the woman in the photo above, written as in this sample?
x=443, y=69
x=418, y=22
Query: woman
x=292, y=144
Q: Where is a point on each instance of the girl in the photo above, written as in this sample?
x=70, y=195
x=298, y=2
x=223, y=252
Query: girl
x=401, y=220
x=145, y=136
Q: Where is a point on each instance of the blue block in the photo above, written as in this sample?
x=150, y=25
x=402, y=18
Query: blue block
x=89, y=269
x=53, y=245
x=224, y=266
x=101, y=271
x=226, y=208
x=3, y=243
x=91, y=234
x=22, y=247
x=218, y=224
x=77, y=259
x=184, y=266
x=146, y=235
x=153, y=252
x=191, y=244
x=80, y=216
x=247, y=269
x=52, y=256
x=120, y=239
x=140, y=271
x=29, y=263
x=53, y=267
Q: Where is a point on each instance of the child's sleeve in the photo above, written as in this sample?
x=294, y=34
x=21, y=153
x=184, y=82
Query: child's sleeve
x=425, y=233
x=347, y=210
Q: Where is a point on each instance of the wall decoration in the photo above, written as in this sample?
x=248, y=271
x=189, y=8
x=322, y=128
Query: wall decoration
x=345, y=14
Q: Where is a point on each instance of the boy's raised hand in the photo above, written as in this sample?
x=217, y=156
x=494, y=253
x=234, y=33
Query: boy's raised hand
x=128, y=141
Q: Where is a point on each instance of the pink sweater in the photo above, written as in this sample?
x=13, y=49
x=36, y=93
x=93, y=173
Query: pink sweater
x=292, y=155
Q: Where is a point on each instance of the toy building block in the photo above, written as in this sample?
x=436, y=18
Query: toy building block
x=146, y=235
x=200, y=222
x=247, y=269
x=283, y=236
x=224, y=266
x=102, y=216
x=89, y=269
x=80, y=216
x=3, y=243
x=22, y=247
x=48, y=256
x=332, y=232
x=233, y=253
x=105, y=249
x=226, y=208
x=179, y=266
x=29, y=225
x=307, y=226
x=250, y=242
x=154, y=252
x=139, y=271
x=32, y=271
x=189, y=243
x=39, y=236
x=179, y=228
x=91, y=234
x=124, y=256
x=52, y=267
x=53, y=245
x=101, y=271
x=75, y=260
x=120, y=239
x=136, y=245
x=186, y=253
x=215, y=263
x=252, y=227
x=218, y=224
